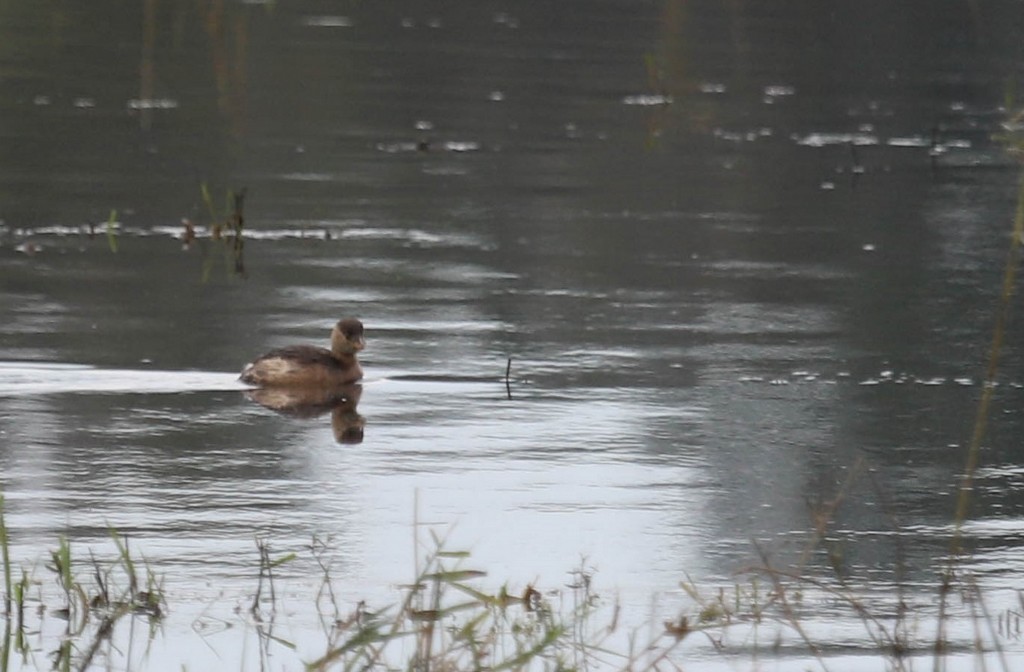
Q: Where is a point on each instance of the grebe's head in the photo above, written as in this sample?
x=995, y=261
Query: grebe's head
x=347, y=337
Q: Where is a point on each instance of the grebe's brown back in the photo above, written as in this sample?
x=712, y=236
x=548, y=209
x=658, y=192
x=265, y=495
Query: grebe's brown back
x=309, y=366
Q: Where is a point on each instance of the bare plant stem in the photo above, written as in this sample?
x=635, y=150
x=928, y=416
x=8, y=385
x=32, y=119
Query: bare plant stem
x=6, y=551
x=965, y=488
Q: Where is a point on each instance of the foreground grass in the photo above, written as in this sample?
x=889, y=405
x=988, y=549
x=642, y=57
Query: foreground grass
x=89, y=609
x=444, y=620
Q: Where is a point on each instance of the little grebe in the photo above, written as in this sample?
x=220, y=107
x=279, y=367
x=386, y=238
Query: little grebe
x=308, y=366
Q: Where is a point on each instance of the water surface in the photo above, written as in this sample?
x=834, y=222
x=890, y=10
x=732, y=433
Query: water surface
x=754, y=276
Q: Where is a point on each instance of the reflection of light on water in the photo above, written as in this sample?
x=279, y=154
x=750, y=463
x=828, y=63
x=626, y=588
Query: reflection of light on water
x=647, y=100
x=324, y=230
x=152, y=104
x=332, y=21
x=28, y=378
x=822, y=139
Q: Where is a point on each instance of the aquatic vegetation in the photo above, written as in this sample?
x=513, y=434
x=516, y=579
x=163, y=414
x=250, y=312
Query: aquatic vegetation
x=5, y=556
x=965, y=489
x=226, y=225
x=444, y=622
x=91, y=610
x=112, y=231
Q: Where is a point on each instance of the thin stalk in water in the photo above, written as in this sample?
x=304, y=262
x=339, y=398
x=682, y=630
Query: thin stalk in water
x=111, y=231
x=6, y=551
x=965, y=488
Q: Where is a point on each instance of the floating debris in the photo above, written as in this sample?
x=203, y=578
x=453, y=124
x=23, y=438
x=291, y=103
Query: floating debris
x=911, y=141
x=420, y=146
x=327, y=21
x=712, y=87
x=881, y=378
x=774, y=93
x=28, y=248
x=777, y=90
x=461, y=146
x=824, y=139
x=152, y=104
x=742, y=136
x=647, y=100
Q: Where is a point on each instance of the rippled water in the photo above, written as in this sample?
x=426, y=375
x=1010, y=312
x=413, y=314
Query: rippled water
x=727, y=289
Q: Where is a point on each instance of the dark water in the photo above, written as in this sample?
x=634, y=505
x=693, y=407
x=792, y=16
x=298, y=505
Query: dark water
x=745, y=259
